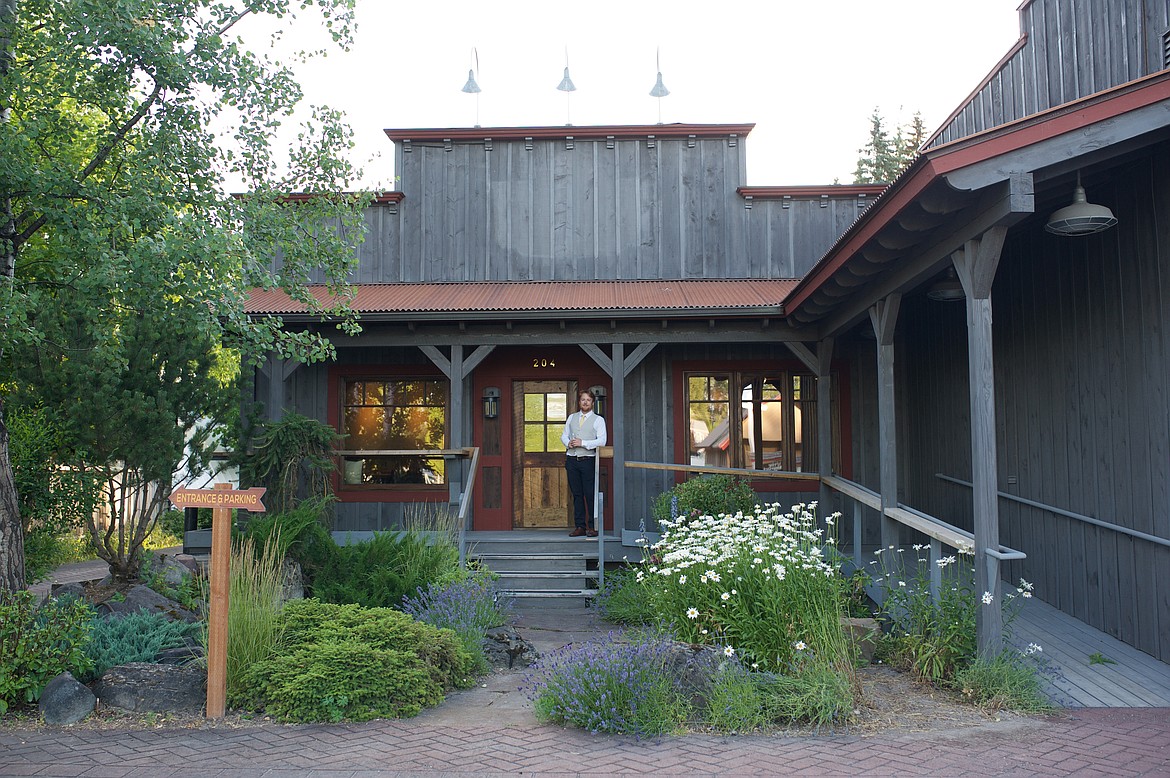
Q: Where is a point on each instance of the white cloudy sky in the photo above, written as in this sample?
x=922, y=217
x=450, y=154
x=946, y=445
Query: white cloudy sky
x=808, y=73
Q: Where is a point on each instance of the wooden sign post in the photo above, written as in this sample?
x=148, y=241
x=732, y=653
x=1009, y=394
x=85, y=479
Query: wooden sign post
x=221, y=500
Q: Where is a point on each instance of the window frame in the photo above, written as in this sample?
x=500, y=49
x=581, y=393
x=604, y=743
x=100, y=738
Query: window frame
x=339, y=378
x=770, y=369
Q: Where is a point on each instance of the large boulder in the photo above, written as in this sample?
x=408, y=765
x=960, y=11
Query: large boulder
x=142, y=597
x=143, y=687
x=863, y=635
x=65, y=701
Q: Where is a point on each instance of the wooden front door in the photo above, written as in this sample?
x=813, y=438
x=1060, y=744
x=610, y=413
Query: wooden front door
x=540, y=488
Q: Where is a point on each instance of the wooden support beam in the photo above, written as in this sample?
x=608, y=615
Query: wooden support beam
x=594, y=351
x=824, y=418
x=477, y=356
x=637, y=355
x=457, y=418
x=975, y=264
x=883, y=317
x=804, y=354
x=438, y=359
x=617, y=439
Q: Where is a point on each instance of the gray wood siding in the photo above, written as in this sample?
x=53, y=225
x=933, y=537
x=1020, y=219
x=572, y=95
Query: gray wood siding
x=1074, y=48
x=1082, y=364
x=639, y=210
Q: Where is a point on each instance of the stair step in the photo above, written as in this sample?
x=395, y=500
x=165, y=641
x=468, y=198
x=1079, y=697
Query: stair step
x=549, y=593
x=545, y=574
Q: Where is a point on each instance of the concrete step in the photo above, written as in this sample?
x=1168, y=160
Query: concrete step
x=513, y=563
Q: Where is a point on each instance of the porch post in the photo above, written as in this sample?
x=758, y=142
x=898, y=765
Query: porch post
x=824, y=419
x=617, y=413
x=884, y=316
x=975, y=264
x=458, y=423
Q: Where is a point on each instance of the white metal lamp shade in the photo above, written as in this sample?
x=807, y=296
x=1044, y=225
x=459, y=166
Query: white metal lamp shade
x=566, y=84
x=659, y=89
x=471, y=87
x=1080, y=218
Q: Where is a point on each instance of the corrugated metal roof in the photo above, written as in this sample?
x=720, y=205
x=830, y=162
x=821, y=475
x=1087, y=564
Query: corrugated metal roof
x=545, y=296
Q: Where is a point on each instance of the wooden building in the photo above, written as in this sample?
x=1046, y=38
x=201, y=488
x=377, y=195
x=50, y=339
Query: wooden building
x=794, y=329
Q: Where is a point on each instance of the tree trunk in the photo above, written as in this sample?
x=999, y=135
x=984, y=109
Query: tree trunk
x=11, y=531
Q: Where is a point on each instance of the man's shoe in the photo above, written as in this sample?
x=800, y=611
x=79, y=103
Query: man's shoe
x=591, y=533
x=577, y=533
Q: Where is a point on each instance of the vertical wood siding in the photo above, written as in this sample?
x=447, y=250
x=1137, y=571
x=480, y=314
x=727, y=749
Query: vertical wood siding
x=1082, y=361
x=1074, y=48
x=634, y=211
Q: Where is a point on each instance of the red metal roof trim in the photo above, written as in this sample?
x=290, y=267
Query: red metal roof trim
x=830, y=190
x=543, y=296
x=600, y=132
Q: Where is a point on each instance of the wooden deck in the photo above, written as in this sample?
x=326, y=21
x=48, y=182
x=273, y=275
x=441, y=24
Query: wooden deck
x=1136, y=680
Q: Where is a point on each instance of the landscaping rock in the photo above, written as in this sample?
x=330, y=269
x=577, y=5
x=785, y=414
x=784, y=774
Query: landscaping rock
x=692, y=664
x=863, y=635
x=142, y=597
x=182, y=655
x=175, y=567
x=143, y=687
x=65, y=701
x=75, y=590
x=505, y=649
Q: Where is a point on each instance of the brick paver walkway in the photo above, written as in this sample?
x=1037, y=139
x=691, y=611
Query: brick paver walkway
x=1080, y=742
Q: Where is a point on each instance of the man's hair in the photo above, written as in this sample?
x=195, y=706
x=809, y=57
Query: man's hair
x=588, y=392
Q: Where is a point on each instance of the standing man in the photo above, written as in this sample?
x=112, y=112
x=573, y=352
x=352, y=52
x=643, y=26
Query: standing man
x=584, y=433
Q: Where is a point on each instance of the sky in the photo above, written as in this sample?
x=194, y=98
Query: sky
x=808, y=74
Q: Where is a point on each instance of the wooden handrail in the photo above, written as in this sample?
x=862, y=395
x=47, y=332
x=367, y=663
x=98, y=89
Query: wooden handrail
x=379, y=452
x=780, y=474
x=854, y=490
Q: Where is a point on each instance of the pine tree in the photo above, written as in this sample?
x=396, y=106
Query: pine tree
x=884, y=158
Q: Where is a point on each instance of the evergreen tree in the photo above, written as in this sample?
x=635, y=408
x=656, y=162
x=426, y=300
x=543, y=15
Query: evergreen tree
x=884, y=158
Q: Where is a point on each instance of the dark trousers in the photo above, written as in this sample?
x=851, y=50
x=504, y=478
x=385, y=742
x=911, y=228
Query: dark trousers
x=580, y=472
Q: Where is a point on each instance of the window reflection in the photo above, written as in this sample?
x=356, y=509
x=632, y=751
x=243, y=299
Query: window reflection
x=770, y=431
x=397, y=415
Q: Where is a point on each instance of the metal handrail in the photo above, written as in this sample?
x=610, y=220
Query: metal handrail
x=465, y=500
x=1133, y=533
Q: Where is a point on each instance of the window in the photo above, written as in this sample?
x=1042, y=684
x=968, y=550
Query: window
x=753, y=420
x=544, y=421
x=394, y=415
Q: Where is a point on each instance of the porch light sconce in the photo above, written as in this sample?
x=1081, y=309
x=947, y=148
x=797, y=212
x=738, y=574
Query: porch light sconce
x=947, y=289
x=1080, y=218
x=491, y=402
x=598, y=399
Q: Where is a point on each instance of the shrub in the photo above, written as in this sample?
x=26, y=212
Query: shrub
x=39, y=643
x=624, y=599
x=345, y=661
x=380, y=572
x=289, y=456
x=135, y=637
x=468, y=608
x=708, y=495
x=610, y=686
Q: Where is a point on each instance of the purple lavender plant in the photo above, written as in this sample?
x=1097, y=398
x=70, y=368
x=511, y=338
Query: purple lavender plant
x=614, y=685
x=469, y=607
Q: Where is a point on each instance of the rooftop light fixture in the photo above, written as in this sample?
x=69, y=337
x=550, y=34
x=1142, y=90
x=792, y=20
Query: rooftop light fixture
x=660, y=91
x=471, y=87
x=568, y=88
x=1080, y=218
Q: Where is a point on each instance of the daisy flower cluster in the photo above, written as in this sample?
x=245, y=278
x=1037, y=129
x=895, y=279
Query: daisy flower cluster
x=749, y=582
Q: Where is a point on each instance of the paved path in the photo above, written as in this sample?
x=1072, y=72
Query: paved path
x=1088, y=742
